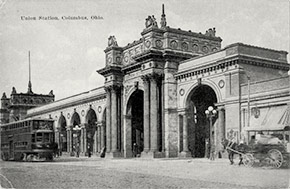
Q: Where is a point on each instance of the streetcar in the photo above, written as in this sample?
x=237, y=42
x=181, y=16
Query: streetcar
x=28, y=140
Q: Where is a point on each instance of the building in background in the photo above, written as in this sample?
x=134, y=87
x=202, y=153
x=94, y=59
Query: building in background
x=15, y=108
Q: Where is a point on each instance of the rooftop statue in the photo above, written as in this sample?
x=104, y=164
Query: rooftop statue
x=112, y=42
x=151, y=21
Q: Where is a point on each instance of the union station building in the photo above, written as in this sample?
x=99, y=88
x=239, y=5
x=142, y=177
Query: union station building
x=157, y=90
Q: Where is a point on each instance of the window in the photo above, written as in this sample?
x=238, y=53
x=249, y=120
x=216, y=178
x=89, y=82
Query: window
x=33, y=138
x=38, y=137
x=46, y=137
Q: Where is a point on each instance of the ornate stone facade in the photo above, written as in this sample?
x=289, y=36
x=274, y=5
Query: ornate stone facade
x=15, y=107
x=158, y=88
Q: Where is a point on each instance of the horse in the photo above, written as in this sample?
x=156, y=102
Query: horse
x=232, y=149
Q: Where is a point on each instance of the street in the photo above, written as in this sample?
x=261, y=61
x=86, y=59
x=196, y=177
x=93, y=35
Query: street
x=71, y=172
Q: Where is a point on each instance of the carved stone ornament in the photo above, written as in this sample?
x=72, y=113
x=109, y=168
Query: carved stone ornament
x=99, y=109
x=184, y=46
x=195, y=47
x=83, y=113
x=68, y=115
x=127, y=88
x=221, y=84
x=159, y=43
x=112, y=42
x=256, y=112
x=126, y=58
x=173, y=44
x=109, y=59
x=181, y=92
x=205, y=49
x=147, y=44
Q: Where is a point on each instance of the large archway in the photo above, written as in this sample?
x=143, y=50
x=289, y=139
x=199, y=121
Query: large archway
x=91, y=132
x=135, y=114
x=198, y=101
x=76, y=134
x=63, y=134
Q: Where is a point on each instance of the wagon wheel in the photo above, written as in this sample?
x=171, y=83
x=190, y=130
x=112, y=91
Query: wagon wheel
x=276, y=158
x=29, y=157
x=248, y=159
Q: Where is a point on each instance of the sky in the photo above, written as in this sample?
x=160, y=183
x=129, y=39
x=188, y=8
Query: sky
x=65, y=54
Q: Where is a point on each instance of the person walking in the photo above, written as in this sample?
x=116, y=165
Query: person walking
x=78, y=150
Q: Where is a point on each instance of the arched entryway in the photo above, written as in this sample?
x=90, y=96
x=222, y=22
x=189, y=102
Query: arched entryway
x=76, y=134
x=200, y=98
x=62, y=134
x=91, y=137
x=134, y=123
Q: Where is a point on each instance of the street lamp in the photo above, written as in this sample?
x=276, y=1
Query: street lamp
x=210, y=113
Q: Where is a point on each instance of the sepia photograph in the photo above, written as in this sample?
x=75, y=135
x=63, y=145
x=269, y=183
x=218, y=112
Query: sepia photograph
x=145, y=94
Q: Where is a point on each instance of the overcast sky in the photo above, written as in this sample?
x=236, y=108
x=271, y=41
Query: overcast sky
x=66, y=54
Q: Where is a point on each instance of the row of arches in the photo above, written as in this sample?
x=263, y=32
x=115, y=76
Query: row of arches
x=92, y=137
x=197, y=124
x=76, y=134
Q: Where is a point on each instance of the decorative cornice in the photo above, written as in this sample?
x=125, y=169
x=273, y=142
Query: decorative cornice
x=67, y=105
x=110, y=69
x=129, y=45
x=131, y=67
x=113, y=48
x=193, y=34
x=257, y=47
x=205, y=69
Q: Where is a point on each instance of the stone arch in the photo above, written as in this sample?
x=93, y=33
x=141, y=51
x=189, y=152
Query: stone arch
x=194, y=123
x=75, y=119
x=76, y=135
x=63, y=138
x=129, y=94
x=90, y=131
x=134, y=124
x=204, y=82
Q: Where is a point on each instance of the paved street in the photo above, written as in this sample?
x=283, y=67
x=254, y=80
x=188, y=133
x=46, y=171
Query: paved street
x=70, y=172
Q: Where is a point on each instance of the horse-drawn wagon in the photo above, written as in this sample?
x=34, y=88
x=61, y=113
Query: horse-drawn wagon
x=270, y=148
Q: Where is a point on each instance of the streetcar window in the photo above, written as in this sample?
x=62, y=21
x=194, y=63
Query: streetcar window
x=46, y=137
x=38, y=137
x=33, y=138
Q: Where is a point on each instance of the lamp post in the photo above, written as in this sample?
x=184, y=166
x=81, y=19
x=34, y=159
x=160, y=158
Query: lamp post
x=210, y=113
x=77, y=129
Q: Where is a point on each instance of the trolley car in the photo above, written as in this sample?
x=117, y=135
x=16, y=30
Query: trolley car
x=28, y=140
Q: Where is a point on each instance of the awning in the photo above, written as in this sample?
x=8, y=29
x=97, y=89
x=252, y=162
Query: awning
x=270, y=118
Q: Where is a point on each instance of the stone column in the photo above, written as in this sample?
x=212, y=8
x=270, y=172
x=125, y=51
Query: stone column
x=185, y=136
x=103, y=138
x=170, y=109
x=128, y=136
x=153, y=114
x=185, y=152
x=68, y=138
x=108, y=119
x=221, y=131
x=114, y=121
x=85, y=146
x=99, y=134
x=96, y=138
x=81, y=139
x=146, y=114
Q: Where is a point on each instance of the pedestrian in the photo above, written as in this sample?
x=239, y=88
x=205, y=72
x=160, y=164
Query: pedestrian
x=89, y=150
x=212, y=152
x=78, y=150
x=135, y=147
